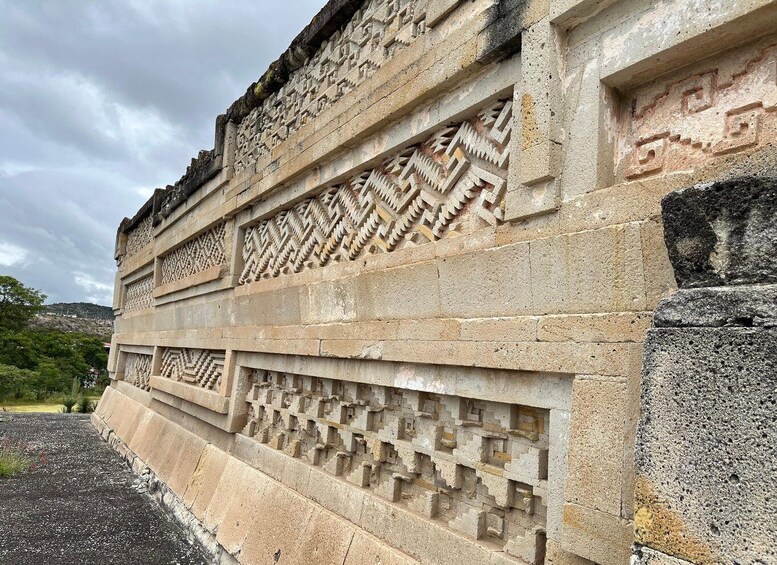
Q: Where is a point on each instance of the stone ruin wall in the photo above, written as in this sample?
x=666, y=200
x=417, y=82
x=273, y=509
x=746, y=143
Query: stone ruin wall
x=398, y=312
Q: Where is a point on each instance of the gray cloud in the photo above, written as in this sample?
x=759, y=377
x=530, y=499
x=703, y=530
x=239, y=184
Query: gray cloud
x=100, y=102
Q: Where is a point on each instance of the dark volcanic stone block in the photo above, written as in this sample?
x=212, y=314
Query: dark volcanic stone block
x=707, y=445
x=724, y=233
x=744, y=305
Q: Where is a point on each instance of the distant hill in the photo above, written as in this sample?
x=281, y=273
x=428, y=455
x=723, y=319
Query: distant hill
x=83, y=310
x=80, y=317
x=98, y=328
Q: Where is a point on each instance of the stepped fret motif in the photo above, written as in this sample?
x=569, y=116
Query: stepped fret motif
x=684, y=123
x=454, y=182
x=198, y=367
x=137, y=238
x=199, y=254
x=348, y=58
x=139, y=294
x=478, y=467
x=137, y=370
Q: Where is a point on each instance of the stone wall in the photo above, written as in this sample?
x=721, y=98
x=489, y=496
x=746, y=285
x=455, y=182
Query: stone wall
x=706, y=465
x=409, y=287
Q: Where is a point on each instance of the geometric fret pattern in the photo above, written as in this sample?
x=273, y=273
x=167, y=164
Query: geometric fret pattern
x=139, y=294
x=683, y=122
x=477, y=467
x=454, y=182
x=349, y=57
x=137, y=238
x=199, y=367
x=137, y=370
x=202, y=252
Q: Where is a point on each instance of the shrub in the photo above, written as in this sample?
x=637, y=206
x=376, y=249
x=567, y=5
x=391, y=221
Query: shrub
x=13, y=460
x=84, y=405
x=73, y=398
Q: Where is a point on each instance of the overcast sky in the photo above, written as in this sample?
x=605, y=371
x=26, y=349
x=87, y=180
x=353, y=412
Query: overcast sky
x=101, y=101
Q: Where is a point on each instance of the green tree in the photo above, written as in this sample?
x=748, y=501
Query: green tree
x=20, y=349
x=18, y=303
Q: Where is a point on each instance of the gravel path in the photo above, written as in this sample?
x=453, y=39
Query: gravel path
x=80, y=504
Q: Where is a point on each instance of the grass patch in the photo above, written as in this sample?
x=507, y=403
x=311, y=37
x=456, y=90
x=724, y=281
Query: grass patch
x=13, y=461
x=51, y=405
x=32, y=407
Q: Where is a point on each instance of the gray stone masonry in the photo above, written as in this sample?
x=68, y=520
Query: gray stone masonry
x=707, y=441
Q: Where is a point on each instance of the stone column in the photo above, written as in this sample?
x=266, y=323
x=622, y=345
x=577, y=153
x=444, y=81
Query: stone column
x=706, y=453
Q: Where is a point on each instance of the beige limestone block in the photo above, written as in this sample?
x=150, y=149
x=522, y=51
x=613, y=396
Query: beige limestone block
x=402, y=292
x=148, y=440
x=438, y=10
x=241, y=511
x=189, y=453
x=443, y=329
x=331, y=301
x=499, y=329
x=204, y=480
x=143, y=433
x=555, y=357
x=597, y=536
x=528, y=547
x=277, y=524
x=558, y=439
x=497, y=486
x=449, y=471
x=596, y=438
x=659, y=275
x=449, y=352
x=554, y=555
x=342, y=499
x=280, y=307
x=602, y=328
x=326, y=539
x=528, y=464
x=494, y=282
x=366, y=549
x=377, y=330
x=229, y=482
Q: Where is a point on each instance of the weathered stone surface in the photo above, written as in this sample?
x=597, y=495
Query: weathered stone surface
x=706, y=463
x=705, y=458
x=417, y=290
x=724, y=233
x=746, y=305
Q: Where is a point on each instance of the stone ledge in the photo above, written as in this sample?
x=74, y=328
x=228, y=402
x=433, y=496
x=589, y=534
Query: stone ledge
x=743, y=306
x=207, y=399
x=210, y=274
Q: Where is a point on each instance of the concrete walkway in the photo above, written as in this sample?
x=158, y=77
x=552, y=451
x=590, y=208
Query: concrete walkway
x=80, y=505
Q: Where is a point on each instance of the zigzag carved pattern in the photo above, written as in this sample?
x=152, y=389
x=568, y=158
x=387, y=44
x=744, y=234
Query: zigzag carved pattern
x=350, y=56
x=199, y=367
x=137, y=370
x=139, y=295
x=199, y=254
x=452, y=182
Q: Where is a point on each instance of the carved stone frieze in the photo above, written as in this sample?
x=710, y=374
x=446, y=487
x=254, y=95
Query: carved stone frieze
x=137, y=370
x=139, y=294
x=453, y=183
x=199, y=367
x=477, y=467
x=137, y=238
x=198, y=254
x=347, y=58
x=702, y=115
